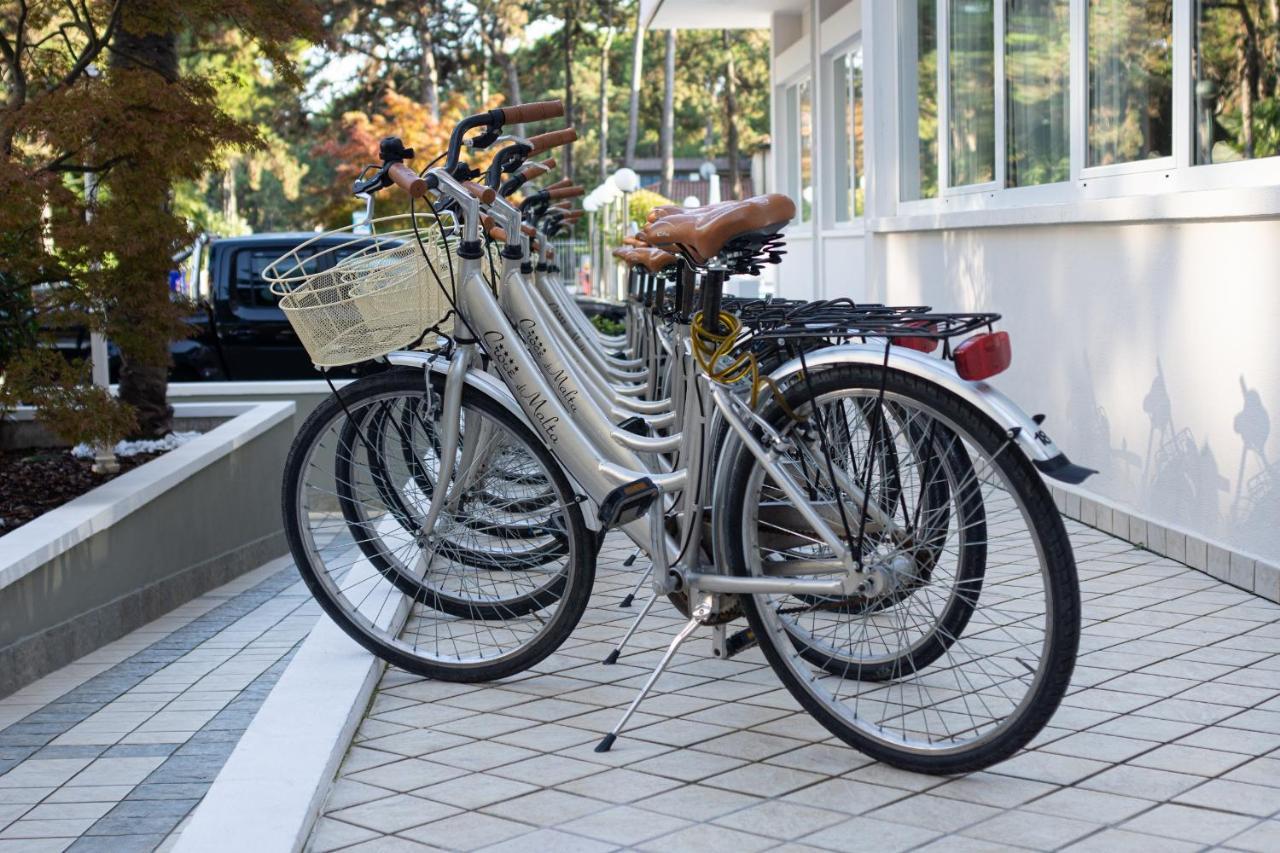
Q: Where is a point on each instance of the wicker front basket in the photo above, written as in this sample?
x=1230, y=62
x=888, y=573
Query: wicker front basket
x=368, y=295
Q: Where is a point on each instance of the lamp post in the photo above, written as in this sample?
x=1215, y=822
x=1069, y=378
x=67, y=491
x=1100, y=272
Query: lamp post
x=590, y=204
x=627, y=182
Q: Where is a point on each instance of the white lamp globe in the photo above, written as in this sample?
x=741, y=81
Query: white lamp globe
x=608, y=191
x=626, y=180
x=691, y=201
x=590, y=205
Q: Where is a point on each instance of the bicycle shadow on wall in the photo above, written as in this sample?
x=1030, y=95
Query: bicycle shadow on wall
x=1255, y=507
x=1090, y=429
x=1182, y=482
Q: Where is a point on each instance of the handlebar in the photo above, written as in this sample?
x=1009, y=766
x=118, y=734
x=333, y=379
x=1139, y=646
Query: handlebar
x=546, y=141
x=407, y=179
x=566, y=192
x=535, y=111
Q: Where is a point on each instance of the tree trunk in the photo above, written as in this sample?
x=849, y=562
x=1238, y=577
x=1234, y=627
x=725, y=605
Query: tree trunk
x=604, y=97
x=669, y=118
x=731, y=115
x=637, y=73
x=570, y=24
x=144, y=375
x=429, y=75
x=512, y=72
x=230, y=204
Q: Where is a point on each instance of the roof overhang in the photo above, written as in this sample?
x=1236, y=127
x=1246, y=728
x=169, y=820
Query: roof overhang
x=713, y=14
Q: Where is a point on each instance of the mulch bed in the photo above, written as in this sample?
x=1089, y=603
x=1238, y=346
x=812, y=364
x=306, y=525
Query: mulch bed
x=36, y=480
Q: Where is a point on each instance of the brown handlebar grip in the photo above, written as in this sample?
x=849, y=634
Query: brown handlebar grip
x=536, y=111
x=554, y=139
x=485, y=194
x=537, y=170
x=407, y=179
x=498, y=233
x=560, y=184
x=573, y=217
x=566, y=192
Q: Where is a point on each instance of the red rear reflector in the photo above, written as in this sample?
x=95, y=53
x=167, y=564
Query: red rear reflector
x=919, y=344
x=983, y=356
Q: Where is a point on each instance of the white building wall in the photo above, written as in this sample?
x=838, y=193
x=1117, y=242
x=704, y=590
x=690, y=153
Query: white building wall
x=1152, y=348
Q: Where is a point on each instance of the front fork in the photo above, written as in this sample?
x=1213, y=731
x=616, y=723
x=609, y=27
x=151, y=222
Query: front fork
x=448, y=432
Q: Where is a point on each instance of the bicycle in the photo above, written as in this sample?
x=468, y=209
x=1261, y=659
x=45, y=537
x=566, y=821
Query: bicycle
x=859, y=492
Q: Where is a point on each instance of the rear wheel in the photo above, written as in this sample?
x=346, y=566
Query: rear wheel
x=964, y=647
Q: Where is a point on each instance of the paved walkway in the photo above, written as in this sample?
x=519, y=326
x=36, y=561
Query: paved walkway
x=112, y=752
x=1170, y=740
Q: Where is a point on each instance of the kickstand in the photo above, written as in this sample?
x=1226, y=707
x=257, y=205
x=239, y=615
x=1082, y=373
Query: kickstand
x=644, y=611
x=700, y=613
x=631, y=596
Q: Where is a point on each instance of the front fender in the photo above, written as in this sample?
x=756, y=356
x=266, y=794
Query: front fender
x=1026, y=431
x=493, y=388
x=489, y=385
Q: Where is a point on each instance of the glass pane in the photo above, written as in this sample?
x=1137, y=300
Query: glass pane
x=972, y=88
x=805, y=97
x=249, y=289
x=793, y=161
x=1130, y=80
x=842, y=115
x=919, y=95
x=1037, y=67
x=857, y=187
x=846, y=93
x=1237, y=82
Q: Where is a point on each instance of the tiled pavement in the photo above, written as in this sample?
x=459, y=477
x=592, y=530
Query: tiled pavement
x=112, y=752
x=1169, y=740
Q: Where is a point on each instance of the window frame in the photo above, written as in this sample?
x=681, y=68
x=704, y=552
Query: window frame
x=788, y=92
x=1176, y=173
x=835, y=88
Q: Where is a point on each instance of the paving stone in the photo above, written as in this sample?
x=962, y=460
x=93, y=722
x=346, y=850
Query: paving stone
x=1186, y=823
x=1238, y=797
x=394, y=813
x=467, y=831
x=329, y=834
x=854, y=835
x=475, y=790
x=546, y=807
x=1029, y=829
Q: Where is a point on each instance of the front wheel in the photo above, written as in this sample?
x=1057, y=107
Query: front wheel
x=432, y=602
x=965, y=646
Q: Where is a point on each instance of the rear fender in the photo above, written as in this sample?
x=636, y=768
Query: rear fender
x=1025, y=431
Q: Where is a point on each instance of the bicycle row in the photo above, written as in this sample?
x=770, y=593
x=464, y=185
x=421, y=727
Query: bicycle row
x=834, y=482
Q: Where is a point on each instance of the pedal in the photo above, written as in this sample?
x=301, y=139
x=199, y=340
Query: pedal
x=724, y=645
x=627, y=503
x=635, y=425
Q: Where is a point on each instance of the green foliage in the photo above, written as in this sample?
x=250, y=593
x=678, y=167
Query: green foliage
x=643, y=201
x=70, y=406
x=97, y=96
x=606, y=326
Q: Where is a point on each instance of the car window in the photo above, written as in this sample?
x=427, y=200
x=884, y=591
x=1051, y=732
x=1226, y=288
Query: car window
x=247, y=286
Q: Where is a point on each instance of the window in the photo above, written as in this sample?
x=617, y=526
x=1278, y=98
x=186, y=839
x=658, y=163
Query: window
x=804, y=97
x=248, y=288
x=1130, y=46
x=971, y=117
x=1037, y=66
x=1055, y=101
x=919, y=98
x=1236, y=110
x=846, y=91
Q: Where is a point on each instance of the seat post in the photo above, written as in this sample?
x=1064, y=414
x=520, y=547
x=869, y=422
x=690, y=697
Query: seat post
x=684, y=293
x=712, y=291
